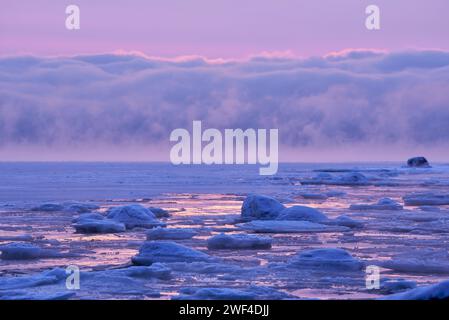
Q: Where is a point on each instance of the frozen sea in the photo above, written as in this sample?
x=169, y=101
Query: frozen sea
x=409, y=244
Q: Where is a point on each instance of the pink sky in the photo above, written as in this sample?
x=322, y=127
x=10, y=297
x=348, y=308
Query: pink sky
x=219, y=28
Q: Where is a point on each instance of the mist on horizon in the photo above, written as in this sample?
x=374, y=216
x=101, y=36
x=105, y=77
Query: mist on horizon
x=355, y=105
x=115, y=88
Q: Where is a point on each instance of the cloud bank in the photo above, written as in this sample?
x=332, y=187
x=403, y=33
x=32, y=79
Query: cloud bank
x=120, y=106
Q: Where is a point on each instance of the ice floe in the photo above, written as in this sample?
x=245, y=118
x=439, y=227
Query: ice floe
x=98, y=226
x=49, y=207
x=167, y=251
x=26, y=251
x=426, y=199
x=170, y=234
x=49, y=285
x=238, y=241
x=88, y=216
x=133, y=216
x=335, y=193
x=159, y=212
x=417, y=265
x=437, y=291
x=126, y=282
x=288, y=226
x=382, y=204
x=78, y=207
x=45, y=278
x=251, y=293
x=261, y=207
x=156, y=270
x=313, y=196
x=96, y=223
x=22, y=237
x=390, y=286
x=347, y=179
x=429, y=209
x=352, y=179
x=326, y=259
x=345, y=221
x=301, y=213
x=206, y=267
x=24, y=295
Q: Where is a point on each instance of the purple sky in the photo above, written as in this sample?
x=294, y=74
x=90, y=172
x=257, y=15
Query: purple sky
x=220, y=28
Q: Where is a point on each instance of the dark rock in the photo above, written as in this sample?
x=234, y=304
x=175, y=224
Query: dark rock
x=418, y=162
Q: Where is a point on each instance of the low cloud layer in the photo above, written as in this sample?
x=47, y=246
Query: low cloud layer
x=353, y=100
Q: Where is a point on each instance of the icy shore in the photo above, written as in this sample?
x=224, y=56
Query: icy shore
x=271, y=239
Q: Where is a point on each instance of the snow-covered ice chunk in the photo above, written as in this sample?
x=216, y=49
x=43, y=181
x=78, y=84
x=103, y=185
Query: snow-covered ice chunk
x=170, y=234
x=156, y=270
x=261, y=207
x=45, y=278
x=205, y=267
x=424, y=216
x=134, y=280
x=26, y=251
x=318, y=179
x=420, y=265
x=437, y=291
x=159, y=212
x=345, y=221
x=238, y=241
x=166, y=251
x=321, y=196
x=88, y=216
x=114, y=283
x=327, y=259
x=347, y=179
x=324, y=176
x=426, y=199
x=353, y=179
x=133, y=216
x=430, y=209
x=23, y=295
x=313, y=196
x=99, y=226
x=301, y=213
x=214, y=294
x=22, y=237
x=80, y=207
x=288, y=226
x=335, y=193
x=251, y=293
x=382, y=204
x=418, y=162
x=390, y=286
x=49, y=207
x=96, y=223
